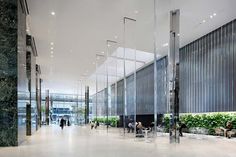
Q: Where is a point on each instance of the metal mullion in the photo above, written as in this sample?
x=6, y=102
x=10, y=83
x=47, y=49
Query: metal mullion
x=211, y=91
x=194, y=75
x=231, y=67
x=207, y=75
x=197, y=75
x=215, y=78
x=201, y=75
x=188, y=81
x=234, y=65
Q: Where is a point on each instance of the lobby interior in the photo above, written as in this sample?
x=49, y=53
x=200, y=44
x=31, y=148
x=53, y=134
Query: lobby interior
x=118, y=78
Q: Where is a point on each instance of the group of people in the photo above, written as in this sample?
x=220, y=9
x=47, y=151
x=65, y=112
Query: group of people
x=64, y=122
x=94, y=124
x=138, y=125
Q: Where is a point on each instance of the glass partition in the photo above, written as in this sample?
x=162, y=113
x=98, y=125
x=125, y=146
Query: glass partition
x=198, y=37
x=111, y=79
x=129, y=59
x=100, y=95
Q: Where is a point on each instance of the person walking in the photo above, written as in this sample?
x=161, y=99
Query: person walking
x=68, y=122
x=62, y=123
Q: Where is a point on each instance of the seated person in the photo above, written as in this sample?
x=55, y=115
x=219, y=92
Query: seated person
x=181, y=126
x=130, y=127
x=139, y=128
x=228, y=128
x=152, y=126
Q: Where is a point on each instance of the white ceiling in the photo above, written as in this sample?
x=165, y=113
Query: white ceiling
x=80, y=28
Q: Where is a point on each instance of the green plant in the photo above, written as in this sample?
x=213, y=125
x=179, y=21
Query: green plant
x=112, y=121
x=208, y=121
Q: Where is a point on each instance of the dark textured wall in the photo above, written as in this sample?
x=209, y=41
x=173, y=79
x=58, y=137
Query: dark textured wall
x=12, y=73
x=8, y=73
x=145, y=90
x=120, y=97
x=130, y=94
x=208, y=72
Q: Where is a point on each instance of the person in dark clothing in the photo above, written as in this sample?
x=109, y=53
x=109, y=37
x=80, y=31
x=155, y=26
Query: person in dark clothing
x=62, y=123
x=68, y=122
x=96, y=124
x=152, y=126
x=181, y=126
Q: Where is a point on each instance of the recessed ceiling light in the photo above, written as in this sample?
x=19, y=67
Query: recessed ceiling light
x=52, y=56
x=52, y=43
x=108, y=45
x=53, y=13
x=102, y=52
x=211, y=16
x=51, y=48
x=166, y=44
x=136, y=11
x=178, y=34
x=214, y=14
x=116, y=36
x=203, y=21
x=51, y=52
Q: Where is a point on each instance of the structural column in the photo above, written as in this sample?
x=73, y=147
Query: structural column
x=47, y=106
x=40, y=102
x=86, y=104
x=38, y=94
x=173, y=76
x=13, y=79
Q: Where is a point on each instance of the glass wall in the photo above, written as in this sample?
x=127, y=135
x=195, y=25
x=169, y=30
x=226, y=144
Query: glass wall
x=69, y=106
x=199, y=37
x=172, y=56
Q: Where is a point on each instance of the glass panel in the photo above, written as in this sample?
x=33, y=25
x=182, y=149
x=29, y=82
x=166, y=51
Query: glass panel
x=206, y=47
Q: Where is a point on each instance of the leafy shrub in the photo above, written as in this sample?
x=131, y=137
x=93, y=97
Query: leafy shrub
x=208, y=121
x=112, y=121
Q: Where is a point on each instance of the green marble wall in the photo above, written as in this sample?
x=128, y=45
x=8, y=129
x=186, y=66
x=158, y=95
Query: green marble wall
x=8, y=73
x=13, y=80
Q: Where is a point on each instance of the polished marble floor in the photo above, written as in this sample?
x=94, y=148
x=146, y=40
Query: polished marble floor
x=78, y=141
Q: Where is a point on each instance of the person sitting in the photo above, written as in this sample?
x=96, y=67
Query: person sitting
x=152, y=126
x=139, y=128
x=130, y=127
x=227, y=129
x=92, y=124
x=96, y=124
x=181, y=126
